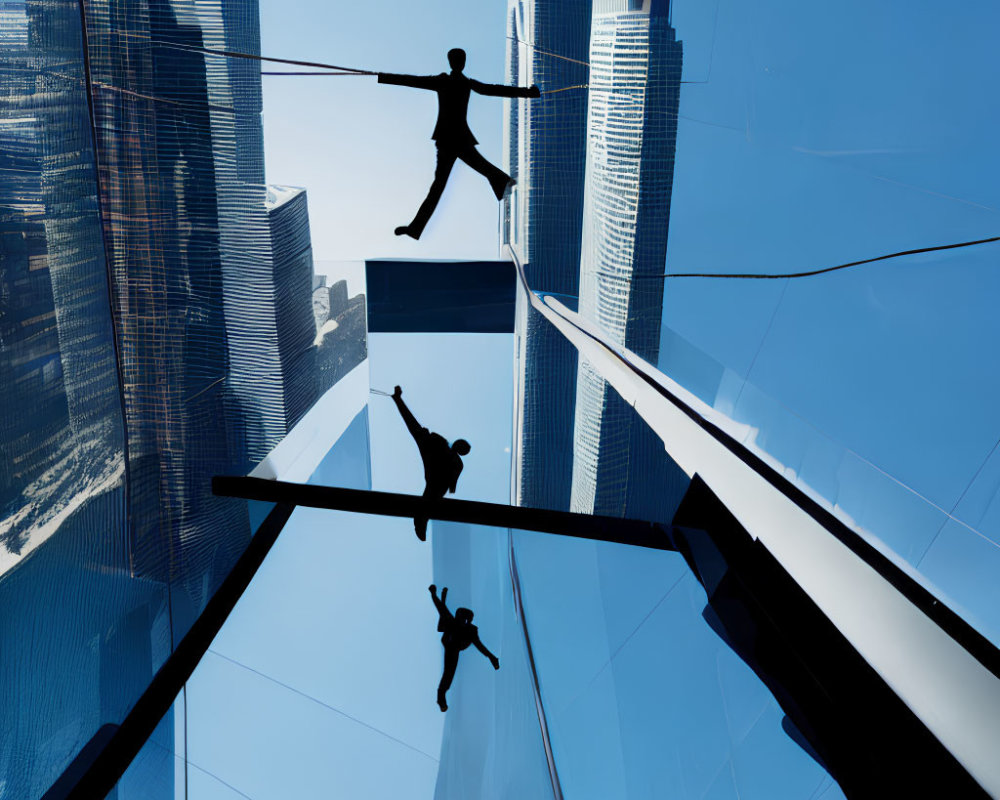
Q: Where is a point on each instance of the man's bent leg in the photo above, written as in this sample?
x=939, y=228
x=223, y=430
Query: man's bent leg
x=420, y=523
x=436, y=490
x=450, y=664
x=497, y=177
x=445, y=161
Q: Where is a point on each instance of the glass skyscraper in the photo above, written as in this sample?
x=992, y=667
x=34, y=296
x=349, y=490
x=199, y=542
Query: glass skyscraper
x=61, y=430
x=545, y=147
x=589, y=219
x=635, y=73
x=83, y=634
x=145, y=346
x=295, y=323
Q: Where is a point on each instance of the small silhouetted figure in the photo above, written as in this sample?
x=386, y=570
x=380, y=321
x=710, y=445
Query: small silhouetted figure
x=442, y=462
x=452, y=135
x=457, y=633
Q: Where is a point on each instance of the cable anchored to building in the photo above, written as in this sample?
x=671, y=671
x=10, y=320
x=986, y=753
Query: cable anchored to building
x=551, y=54
x=567, y=88
x=322, y=74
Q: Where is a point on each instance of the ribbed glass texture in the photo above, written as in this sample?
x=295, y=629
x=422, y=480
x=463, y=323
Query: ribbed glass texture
x=295, y=322
x=631, y=140
x=144, y=348
x=546, y=375
x=594, y=173
x=547, y=46
x=635, y=69
x=60, y=425
x=546, y=152
x=81, y=634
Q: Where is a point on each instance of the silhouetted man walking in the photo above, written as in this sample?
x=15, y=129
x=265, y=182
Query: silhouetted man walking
x=458, y=633
x=452, y=134
x=442, y=462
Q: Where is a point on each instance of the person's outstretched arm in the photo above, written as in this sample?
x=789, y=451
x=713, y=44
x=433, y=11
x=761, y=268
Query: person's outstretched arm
x=485, y=651
x=499, y=90
x=413, y=81
x=439, y=603
x=414, y=427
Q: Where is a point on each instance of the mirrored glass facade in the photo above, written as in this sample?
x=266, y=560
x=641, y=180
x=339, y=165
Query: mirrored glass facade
x=157, y=329
x=796, y=363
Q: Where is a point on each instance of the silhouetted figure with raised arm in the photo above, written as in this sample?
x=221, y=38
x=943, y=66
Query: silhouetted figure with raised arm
x=458, y=633
x=452, y=135
x=442, y=462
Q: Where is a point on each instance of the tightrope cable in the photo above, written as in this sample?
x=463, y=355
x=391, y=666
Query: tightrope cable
x=323, y=74
x=251, y=56
x=809, y=273
x=328, y=69
x=293, y=62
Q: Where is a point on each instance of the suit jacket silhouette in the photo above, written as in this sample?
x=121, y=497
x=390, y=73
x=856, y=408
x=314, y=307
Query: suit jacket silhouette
x=453, y=90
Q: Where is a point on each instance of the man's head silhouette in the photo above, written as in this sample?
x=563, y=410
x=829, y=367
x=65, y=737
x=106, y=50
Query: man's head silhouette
x=456, y=57
x=464, y=615
x=461, y=447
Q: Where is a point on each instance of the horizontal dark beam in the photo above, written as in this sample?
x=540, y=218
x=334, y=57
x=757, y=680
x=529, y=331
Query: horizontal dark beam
x=581, y=526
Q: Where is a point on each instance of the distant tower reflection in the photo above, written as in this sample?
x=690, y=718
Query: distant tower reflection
x=589, y=218
x=546, y=149
x=635, y=71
